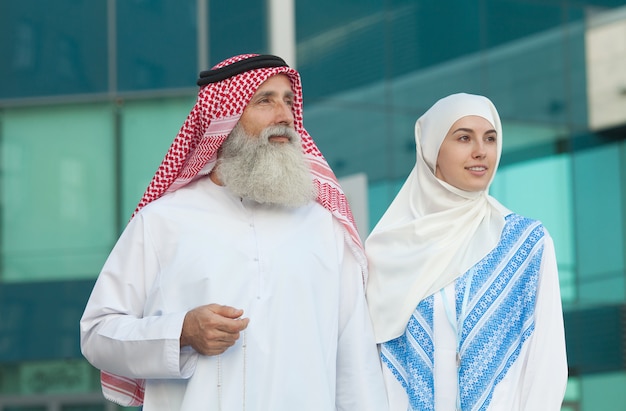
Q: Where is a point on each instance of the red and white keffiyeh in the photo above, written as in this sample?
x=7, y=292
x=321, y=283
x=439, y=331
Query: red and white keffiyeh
x=194, y=152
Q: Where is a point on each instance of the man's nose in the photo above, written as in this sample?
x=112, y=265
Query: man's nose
x=283, y=114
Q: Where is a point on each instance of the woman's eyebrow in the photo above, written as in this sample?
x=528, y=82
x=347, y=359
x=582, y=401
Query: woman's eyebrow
x=471, y=130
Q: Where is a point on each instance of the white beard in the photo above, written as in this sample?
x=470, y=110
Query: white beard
x=269, y=173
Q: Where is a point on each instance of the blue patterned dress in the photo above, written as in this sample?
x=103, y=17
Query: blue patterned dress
x=499, y=319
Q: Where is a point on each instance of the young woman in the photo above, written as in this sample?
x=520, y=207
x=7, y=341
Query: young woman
x=464, y=293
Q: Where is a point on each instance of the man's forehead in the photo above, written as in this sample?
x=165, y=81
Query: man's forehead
x=276, y=83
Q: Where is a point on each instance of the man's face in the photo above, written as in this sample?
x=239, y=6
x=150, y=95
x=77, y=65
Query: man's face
x=271, y=105
x=266, y=171
x=262, y=158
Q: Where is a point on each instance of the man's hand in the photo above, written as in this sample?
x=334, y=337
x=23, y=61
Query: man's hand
x=211, y=329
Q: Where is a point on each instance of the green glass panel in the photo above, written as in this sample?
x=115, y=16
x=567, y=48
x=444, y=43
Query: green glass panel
x=541, y=189
x=572, y=391
x=57, y=191
x=380, y=196
x=147, y=130
x=603, y=392
x=599, y=195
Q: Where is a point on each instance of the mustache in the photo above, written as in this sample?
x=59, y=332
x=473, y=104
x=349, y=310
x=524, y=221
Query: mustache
x=278, y=130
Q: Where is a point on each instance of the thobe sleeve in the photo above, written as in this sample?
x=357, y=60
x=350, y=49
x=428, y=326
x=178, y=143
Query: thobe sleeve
x=360, y=385
x=545, y=377
x=115, y=334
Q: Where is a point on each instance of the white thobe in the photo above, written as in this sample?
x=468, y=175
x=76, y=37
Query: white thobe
x=537, y=379
x=309, y=343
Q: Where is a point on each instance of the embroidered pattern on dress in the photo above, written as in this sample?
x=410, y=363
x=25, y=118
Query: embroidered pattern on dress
x=500, y=314
x=410, y=357
x=500, y=318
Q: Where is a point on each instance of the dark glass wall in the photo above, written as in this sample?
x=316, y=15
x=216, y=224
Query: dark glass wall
x=70, y=47
x=52, y=48
x=155, y=44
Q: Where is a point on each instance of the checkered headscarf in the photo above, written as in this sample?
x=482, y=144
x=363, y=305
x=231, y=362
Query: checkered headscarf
x=193, y=153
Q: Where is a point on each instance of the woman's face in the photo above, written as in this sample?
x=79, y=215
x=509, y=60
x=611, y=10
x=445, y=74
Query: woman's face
x=467, y=156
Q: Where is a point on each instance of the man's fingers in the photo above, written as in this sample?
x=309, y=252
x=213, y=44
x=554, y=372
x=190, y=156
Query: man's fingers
x=212, y=329
x=226, y=311
x=238, y=325
x=224, y=335
x=231, y=321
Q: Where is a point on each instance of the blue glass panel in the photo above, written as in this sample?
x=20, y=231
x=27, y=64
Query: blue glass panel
x=40, y=319
x=52, y=48
x=340, y=45
x=156, y=44
x=236, y=27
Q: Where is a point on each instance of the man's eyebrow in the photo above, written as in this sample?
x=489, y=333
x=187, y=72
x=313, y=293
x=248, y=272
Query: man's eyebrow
x=270, y=93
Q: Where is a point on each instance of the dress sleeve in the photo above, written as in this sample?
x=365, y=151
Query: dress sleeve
x=360, y=383
x=545, y=379
x=115, y=334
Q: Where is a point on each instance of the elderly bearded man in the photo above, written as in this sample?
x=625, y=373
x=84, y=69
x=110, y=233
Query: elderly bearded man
x=239, y=281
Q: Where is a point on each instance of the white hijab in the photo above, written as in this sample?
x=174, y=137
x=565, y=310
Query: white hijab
x=432, y=232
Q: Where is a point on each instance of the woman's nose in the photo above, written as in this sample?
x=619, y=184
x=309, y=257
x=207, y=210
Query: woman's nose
x=479, y=150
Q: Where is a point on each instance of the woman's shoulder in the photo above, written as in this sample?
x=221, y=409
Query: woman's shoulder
x=520, y=223
x=518, y=218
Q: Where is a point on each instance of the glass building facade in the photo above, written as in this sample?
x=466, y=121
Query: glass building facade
x=92, y=92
